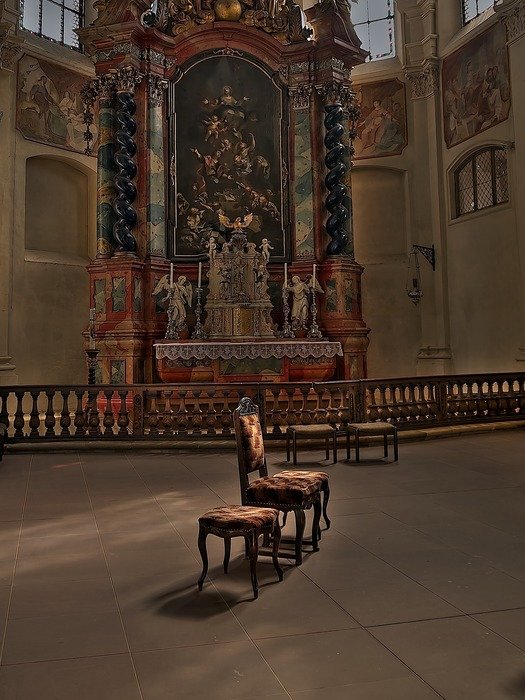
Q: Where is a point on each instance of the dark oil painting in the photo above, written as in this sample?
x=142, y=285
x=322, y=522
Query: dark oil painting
x=228, y=143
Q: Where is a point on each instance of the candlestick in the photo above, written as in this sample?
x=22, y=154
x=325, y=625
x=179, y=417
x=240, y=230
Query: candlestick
x=92, y=329
x=171, y=274
x=200, y=276
x=287, y=331
x=199, y=333
x=314, y=331
x=313, y=275
x=285, y=274
x=92, y=314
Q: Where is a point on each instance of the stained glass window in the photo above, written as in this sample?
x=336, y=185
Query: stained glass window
x=54, y=19
x=374, y=23
x=482, y=181
x=473, y=8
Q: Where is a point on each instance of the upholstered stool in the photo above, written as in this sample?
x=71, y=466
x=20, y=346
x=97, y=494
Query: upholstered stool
x=371, y=429
x=324, y=430
x=240, y=521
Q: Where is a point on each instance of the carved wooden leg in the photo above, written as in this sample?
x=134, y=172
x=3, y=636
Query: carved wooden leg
x=227, y=550
x=204, y=554
x=396, y=454
x=287, y=445
x=385, y=446
x=285, y=515
x=253, y=547
x=326, y=498
x=327, y=448
x=335, y=446
x=275, y=551
x=356, y=445
x=315, y=525
x=300, y=521
x=294, y=447
x=347, y=444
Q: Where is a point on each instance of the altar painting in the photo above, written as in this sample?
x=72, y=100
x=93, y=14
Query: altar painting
x=228, y=161
x=476, y=86
x=49, y=106
x=381, y=128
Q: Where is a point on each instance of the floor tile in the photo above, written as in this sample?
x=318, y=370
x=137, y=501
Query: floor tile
x=509, y=624
x=409, y=688
x=102, y=677
x=230, y=671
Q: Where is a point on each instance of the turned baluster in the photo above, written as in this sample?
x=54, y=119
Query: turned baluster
x=226, y=415
x=109, y=419
x=93, y=417
x=138, y=414
x=304, y=412
x=80, y=416
x=152, y=414
x=274, y=413
x=19, y=421
x=211, y=414
x=182, y=415
x=50, y=420
x=167, y=414
x=4, y=413
x=65, y=417
x=34, y=417
x=196, y=419
x=123, y=416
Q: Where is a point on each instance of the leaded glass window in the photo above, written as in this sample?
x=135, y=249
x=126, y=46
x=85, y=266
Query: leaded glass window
x=374, y=23
x=54, y=19
x=482, y=181
x=473, y=8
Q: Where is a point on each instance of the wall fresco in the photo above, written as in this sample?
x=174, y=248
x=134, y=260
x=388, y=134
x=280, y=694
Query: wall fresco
x=381, y=127
x=156, y=210
x=304, y=204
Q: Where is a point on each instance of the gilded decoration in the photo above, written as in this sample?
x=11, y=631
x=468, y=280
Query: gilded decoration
x=476, y=86
x=230, y=157
x=284, y=19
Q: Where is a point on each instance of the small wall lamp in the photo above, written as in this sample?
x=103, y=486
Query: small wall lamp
x=413, y=285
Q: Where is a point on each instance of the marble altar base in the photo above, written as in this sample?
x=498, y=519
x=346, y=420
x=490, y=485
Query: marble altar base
x=254, y=361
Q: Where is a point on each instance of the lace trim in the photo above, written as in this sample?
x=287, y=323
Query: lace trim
x=240, y=351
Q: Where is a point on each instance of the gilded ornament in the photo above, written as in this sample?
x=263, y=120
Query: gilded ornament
x=227, y=10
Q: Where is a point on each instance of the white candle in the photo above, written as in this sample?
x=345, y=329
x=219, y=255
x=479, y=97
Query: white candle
x=285, y=274
x=313, y=276
x=171, y=275
x=200, y=275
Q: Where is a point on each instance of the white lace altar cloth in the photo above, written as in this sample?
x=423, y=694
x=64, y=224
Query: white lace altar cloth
x=199, y=350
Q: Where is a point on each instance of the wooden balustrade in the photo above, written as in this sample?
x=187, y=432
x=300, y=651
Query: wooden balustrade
x=190, y=411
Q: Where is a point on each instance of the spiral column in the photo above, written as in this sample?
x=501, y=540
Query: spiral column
x=126, y=148
x=337, y=99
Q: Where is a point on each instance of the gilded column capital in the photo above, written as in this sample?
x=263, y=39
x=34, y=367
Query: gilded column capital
x=424, y=81
x=512, y=14
x=156, y=89
x=300, y=96
x=127, y=78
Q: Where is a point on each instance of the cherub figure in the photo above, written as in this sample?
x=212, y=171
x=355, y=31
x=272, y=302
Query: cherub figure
x=239, y=224
x=265, y=249
x=214, y=127
x=212, y=249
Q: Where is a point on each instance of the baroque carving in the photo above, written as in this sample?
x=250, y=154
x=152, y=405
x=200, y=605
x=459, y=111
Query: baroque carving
x=10, y=43
x=336, y=93
x=424, y=82
x=282, y=18
x=300, y=96
x=126, y=79
x=126, y=48
x=513, y=17
x=156, y=88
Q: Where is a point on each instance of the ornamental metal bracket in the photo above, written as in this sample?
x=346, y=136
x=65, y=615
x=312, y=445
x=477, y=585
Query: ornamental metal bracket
x=428, y=252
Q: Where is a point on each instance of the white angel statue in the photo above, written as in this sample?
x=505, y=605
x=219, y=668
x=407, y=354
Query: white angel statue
x=300, y=291
x=178, y=295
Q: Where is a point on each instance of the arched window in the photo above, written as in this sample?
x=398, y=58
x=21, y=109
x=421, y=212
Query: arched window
x=473, y=8
x=481, y=181
x=374, y=23
x=54, y=19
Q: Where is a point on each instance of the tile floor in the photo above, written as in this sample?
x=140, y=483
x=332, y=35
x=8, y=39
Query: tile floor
x=418, y=590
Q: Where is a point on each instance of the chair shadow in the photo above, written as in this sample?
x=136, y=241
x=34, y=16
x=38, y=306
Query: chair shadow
x=517, y=687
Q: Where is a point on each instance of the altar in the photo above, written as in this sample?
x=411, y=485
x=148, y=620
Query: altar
x=268, y=361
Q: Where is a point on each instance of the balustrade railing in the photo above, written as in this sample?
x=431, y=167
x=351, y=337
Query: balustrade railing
x=191, y=411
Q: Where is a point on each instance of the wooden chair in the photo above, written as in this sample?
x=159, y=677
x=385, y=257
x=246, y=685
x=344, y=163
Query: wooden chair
x=240, y=521
x=329, y=432
x=377, y=428
x=287, y=491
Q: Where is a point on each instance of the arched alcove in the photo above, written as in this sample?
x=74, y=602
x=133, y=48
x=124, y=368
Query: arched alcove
x=56, y=207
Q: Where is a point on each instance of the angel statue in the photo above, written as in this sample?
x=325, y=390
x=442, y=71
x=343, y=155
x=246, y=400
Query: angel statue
x=212, y=249
x=178, y=295
x=300, y=291
x=266, y=247
x=240, y=223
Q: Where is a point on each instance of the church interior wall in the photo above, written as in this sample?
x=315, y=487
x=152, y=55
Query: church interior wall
x=471, y=315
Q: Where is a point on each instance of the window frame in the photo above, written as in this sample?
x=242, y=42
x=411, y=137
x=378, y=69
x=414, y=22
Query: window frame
x=479, y=12
x=81, y=14
x=471, y=160
x=391, y=15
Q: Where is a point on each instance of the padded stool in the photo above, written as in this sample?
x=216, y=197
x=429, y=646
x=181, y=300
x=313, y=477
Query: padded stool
x=324, y=430
x=371, y=429
x=240, y=521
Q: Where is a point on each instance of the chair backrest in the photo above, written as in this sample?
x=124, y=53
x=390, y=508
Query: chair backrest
x=250, y=445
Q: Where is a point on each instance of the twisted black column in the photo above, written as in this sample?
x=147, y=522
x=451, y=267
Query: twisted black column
x=127, y=171
x=337, y=197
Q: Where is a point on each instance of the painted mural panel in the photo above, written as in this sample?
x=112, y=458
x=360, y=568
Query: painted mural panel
x=382, y=125
x=49, y=106
x=304, y=203
x=476, y=86
x=229, y=156
x=118, y=294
